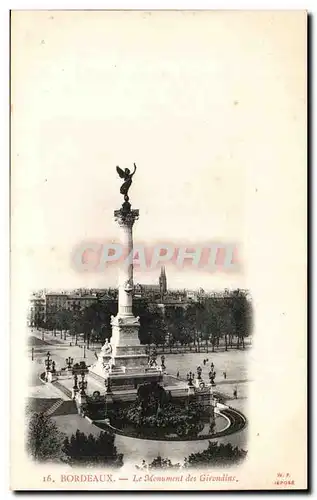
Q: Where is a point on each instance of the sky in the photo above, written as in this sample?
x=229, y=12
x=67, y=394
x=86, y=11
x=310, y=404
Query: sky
x=177, y=93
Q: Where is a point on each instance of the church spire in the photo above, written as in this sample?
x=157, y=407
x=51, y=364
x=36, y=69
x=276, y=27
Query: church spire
x=163, y=281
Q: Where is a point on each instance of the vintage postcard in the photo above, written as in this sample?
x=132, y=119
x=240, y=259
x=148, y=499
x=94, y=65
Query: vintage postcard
x=158, y=242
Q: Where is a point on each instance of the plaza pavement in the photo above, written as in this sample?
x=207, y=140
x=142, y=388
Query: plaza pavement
x=233, y=362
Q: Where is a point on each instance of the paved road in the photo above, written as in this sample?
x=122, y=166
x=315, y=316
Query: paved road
x=233, y=362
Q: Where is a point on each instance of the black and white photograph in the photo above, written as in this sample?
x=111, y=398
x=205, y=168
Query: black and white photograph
x=157, y=215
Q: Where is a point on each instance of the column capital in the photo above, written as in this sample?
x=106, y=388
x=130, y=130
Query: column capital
x=126, y=217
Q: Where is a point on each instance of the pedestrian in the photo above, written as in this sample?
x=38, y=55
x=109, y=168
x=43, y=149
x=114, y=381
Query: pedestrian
x=204, y=362
x=177, y=375
x=212, y=366
x=235, y=393
x=224, y=375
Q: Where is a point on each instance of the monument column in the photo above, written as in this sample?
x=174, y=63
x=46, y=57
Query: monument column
x=124, y=361
x=125, y=326
x=126, y=218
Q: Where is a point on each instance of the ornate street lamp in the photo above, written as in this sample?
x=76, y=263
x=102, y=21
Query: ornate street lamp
x=82, y=384
x=163, y=362
x=190, y=378
x=75, y=382
x=69, y=362
x=108, y=385
x=48, y=361
x=152, y=359
x=212, y=376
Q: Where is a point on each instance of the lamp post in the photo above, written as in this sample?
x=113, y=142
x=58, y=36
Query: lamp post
x=48, y=361
x=191, y=388
x=152, y=359
x=32, y=353
x=212, y=376
x=108, y=385
x=190, y=378
x=163, y=362
x=212, y=405
x=82, y=384
x=84, y=351
x=69, y=362
x=75, y=386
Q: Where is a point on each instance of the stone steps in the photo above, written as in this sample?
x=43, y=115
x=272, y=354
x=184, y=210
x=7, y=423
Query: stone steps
x=53, y=408
x=97, y=377
x=63, y=389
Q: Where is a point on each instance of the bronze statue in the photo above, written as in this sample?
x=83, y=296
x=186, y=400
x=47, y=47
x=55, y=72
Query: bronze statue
x=127, y=176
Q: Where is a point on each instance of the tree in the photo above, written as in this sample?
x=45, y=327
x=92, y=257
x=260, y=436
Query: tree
x=96, y=320
x=157, y=326
x=152, y=397
x=44, y=440
x=63, y=320
x=210, y=323
x=152, y=325
x=153, y=414
x=163, y=463
x=81, y=450
x=242, y=316
x=141, y=309
x=190, y=323
x=194, y=318
x=216, y=454
x=177, y=326
x=75, y=322
x=38, y=320
x=51, y=320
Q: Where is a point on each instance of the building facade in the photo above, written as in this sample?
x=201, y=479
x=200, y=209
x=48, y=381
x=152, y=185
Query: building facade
x=152, y=291
x=37, y=311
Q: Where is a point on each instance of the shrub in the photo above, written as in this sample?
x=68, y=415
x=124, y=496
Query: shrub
x=217, y=454
x=44, y=440
x=81, y=449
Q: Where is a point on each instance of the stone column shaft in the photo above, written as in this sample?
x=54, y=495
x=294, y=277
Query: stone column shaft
x=126, y=221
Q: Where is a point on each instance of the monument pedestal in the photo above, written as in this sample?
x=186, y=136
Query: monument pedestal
x=127, y=350
x=125, y=364
x=122, y=379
